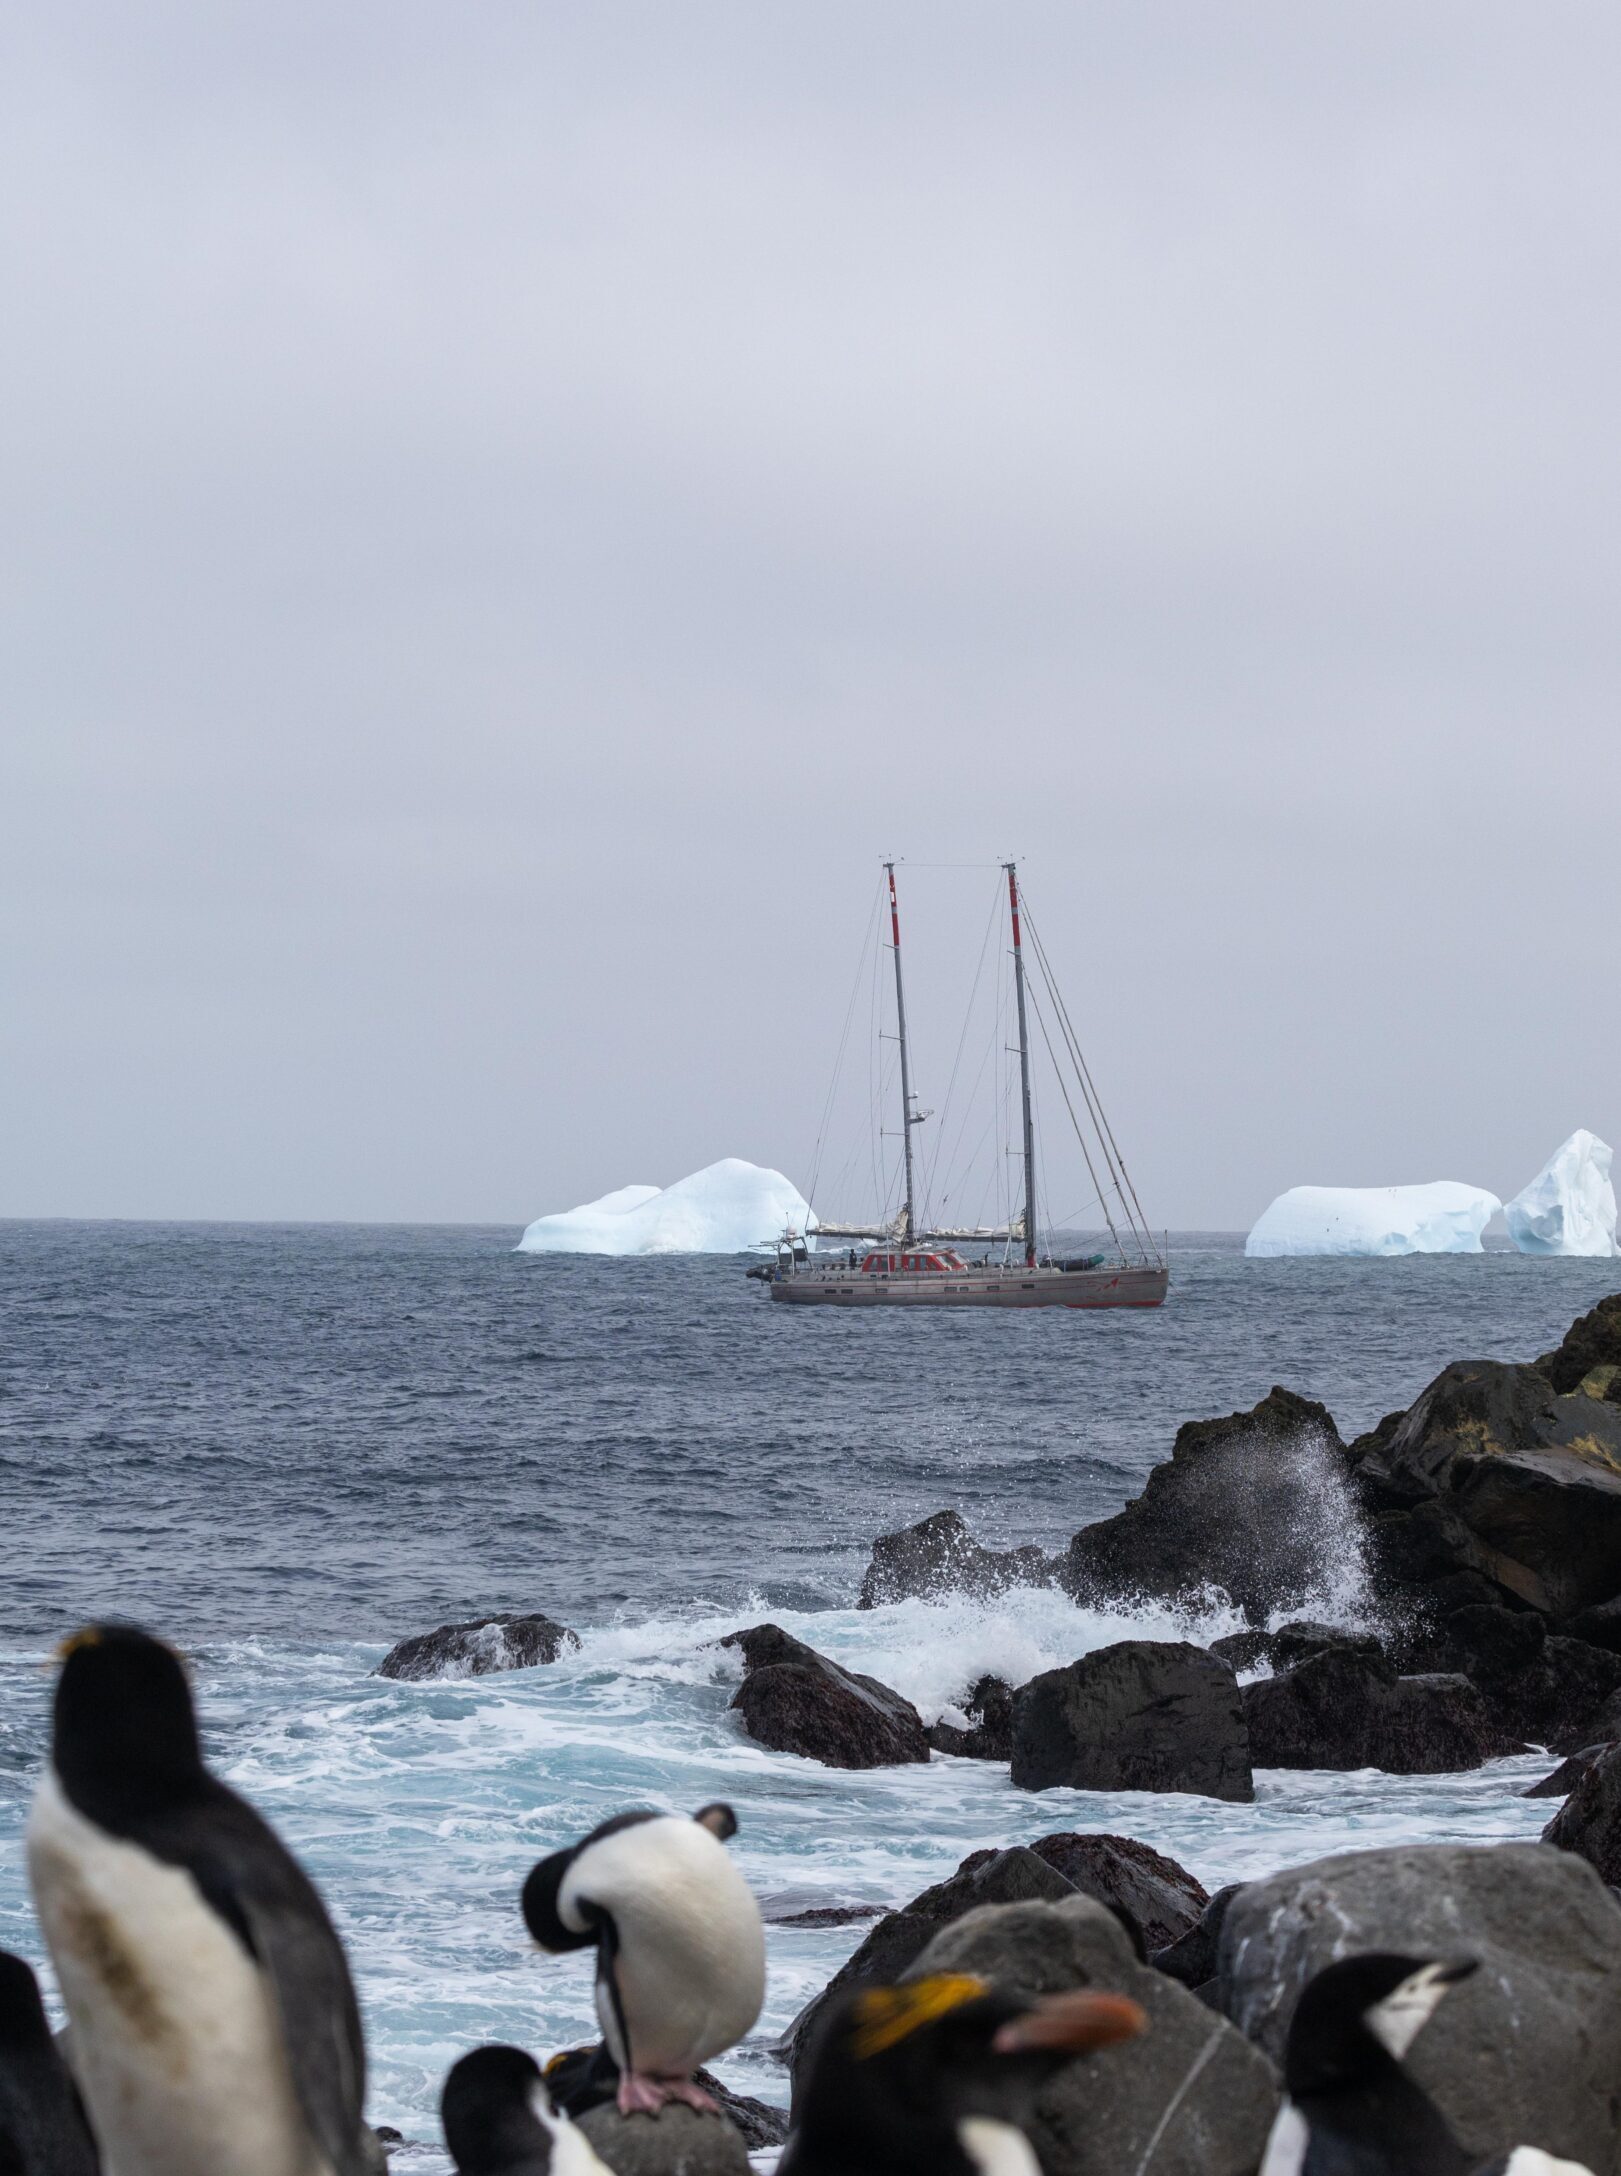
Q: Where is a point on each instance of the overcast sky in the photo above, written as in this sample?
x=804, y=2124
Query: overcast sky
x=511, y=510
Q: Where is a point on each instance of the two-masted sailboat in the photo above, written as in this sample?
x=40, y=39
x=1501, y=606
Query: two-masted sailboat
x=898, y=1264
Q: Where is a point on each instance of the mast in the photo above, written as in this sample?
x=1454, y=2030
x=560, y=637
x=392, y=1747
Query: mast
x=1024, y=1073
x=908, y=1119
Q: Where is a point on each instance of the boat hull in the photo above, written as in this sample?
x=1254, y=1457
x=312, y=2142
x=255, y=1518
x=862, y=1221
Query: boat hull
x=1017, y=1287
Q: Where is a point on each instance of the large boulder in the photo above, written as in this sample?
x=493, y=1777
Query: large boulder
x=1143, y=1715
x=798, y=1701
x=940, y=1556
x=1539, y=1687
x=1565, y=1778
x=989, y=1736
x=1592, y=1341
x=1190, y=2097
x=1257, y=1504
x=1137, y=1883
x=1589, y=1822
x=506, y=1642
x=677, y=2141
x=1527, y=2051
x=1345, y=1708
x=1508, y=1479
x=989, y=1877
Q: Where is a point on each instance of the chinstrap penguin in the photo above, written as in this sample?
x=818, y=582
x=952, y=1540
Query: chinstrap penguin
x=42, y=2127
x=500, y=2120
x=215, y=2030
x=680, y=1948
x=938, y=2076
x=1351, y=2108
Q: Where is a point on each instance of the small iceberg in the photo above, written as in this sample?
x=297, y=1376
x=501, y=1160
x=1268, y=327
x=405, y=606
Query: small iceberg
x=1441, y=1218
x=731, y=1207
x=1569, y=1207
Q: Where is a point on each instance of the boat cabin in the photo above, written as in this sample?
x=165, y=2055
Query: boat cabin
x=937, y=1261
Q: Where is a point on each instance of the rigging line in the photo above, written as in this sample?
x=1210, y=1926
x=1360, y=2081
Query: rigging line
x=1140, y=1222
x=1091, y=1169
x=844, y=1039
x=962, y=1039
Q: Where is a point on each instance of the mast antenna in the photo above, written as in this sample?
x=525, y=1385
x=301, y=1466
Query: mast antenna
x=1024, y=1072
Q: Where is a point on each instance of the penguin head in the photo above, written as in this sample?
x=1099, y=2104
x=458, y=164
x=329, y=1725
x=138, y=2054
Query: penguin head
x=22, y=2013
x=1356, y=2015
x=498, y=2116
x=897, y=2072
x=124, y=1727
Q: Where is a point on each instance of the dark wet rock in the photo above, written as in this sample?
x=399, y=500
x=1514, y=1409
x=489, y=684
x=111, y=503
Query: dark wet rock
x=1540, y=1687
x=1143, y=1715
x=1256, y=1504
x=1342, y=1708
x=1001, y=1877
x=1592, y=1341
x=1494, y=1472
x=1161, y=1899
x=1302, y=1638
x=676, y=2142
x=940, y=1556
x=1567, y=1775
x=798, y=1701
x=505, y=1642
x=1589, y=1822
x=1190, y=2097
x=1193, y=1957
x=1599, y=1626
x=989, y=1708
x=1243, y=1650
x=761, y=2124
x=823, y=1915
x=1529, y=2049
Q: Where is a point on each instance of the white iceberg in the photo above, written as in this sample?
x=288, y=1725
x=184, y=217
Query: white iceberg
x=731, y=1207
x=1569, y=1207
x=1442, y=1218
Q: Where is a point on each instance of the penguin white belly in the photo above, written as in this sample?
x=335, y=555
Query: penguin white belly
x=689, y=1961
x=176, y=2040
x=997, y=2149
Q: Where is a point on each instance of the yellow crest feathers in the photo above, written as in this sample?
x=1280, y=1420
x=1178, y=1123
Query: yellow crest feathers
x=884, y=2016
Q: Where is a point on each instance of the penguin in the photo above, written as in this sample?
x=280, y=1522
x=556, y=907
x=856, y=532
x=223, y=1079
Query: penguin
x=500, y=2120
x=42, y=2126
x=680, y=1948
x=1350, y=2108
x=938, y=2077
x=215, y=2029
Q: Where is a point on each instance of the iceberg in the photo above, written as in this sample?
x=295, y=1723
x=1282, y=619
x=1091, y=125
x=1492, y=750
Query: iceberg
x=1442, y=1218
x=731, y=1207
x=1569, y=1207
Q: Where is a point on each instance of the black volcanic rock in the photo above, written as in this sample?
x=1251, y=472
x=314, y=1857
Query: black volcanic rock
x=1592, y=1341
x=1342, y=1708
x=1589, y=1822
x=1568, y=1774
x=940, y=1556
x=798, y=1701
x=989, y=1736
x=481, y=1645
x=1257, y=1504
x=1161, y=1899
x=1143, y=1715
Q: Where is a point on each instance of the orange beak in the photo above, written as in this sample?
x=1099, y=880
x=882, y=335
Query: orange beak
x=1073, y=2024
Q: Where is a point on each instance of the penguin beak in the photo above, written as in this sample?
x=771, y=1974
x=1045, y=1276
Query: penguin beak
x=1461, y=1968
x=1072, y=2024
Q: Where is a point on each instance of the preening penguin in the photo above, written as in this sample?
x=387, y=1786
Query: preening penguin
x=42, y=2126
x=680, y=1948
x=499, y=2120
x=938, y=2077
x=1351, y=2109
x=215, y=2030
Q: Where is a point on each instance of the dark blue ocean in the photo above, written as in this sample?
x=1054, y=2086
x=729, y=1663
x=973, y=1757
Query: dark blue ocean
x=285, y=1446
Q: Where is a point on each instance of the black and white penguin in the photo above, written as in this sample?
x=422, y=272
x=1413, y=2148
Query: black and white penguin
x=680, y=1948
x=42, y=2126
x=1350, y=2107
x=215, y=2030
x=500, y=2120
x=938, y=2077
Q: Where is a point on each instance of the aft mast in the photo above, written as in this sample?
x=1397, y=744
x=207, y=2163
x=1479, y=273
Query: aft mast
x=1024, y=1073
x=909, y=1118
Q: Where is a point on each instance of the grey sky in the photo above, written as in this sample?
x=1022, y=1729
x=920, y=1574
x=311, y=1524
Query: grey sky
x=511, y=510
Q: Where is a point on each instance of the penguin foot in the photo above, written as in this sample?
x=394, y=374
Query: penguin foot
x=640, y=2095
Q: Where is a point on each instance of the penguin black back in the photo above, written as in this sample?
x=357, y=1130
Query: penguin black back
x=42, y=2127
x=126, y=1757
x=499, y=2120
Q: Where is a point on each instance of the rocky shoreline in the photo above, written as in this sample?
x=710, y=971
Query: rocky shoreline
x=1476, y=1537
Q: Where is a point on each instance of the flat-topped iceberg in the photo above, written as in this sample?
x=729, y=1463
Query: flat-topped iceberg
x=1569, y=1207
x=727, y=1208
x=1441, y=1218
